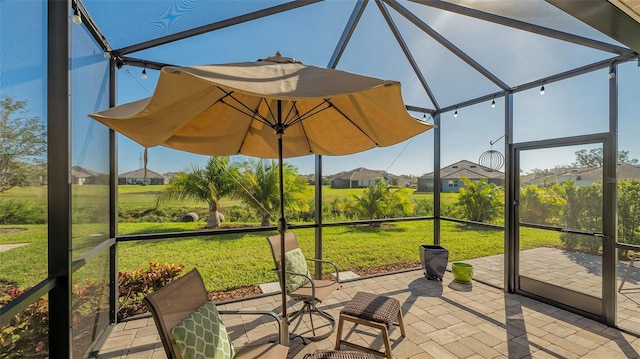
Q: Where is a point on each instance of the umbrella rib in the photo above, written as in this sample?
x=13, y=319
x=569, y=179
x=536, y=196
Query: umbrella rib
x=294, y=117
x=353, y=123
x=265, y=120
x=247, y=111
x=306, y=138
x=312, y=112
x=298, y=119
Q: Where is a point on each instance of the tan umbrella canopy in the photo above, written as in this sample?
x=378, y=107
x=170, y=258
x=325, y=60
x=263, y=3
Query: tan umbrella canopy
x=233, y=108
x=272, y=108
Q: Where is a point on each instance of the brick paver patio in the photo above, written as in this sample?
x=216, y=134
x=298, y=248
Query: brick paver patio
x=442, y=320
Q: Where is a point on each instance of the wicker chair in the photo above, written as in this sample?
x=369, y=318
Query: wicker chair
x=171, y=304
x=314, y=291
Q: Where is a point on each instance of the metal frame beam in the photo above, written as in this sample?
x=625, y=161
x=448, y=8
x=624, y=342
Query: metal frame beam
x=132, y=61
x=349, y=28
x=575, y=72
x=521, y=25
x=58, y=173
x=91, y=254
x=318, y=216
x=17, y=306
x=113, y=201
x=420, y=109
x=407, y=53
x=511, y=207
x=545, y=80
x=437, y=182
x=214, y=26
x=90, y=24
x=610, y=205
x=446, y=43
x=606, y=17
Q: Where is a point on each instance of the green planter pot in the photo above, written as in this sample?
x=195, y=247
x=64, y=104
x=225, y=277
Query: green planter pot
x=462, y=272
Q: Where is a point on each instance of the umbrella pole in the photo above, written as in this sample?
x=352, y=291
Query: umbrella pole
x=282, y=228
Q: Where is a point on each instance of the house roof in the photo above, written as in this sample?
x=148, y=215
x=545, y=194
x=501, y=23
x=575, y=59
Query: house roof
x=628, y=171
x=81, y=172
x=623, y=171
x=170, y=174
x=139, y=173
x=467, y=169
x=594, y=174
x=553, y=174
x=363, y=174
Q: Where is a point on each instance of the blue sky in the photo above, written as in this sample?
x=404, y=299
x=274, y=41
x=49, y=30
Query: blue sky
x=571, y=107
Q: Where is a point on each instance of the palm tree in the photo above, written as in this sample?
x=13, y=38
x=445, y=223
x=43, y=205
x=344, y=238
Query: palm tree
x=480, y=201
x=259, y=189
x=209, y=184
x=379, y=201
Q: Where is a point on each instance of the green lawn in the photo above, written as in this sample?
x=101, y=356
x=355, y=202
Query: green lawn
x=136, y=195
x=145, y=196
x=330, y=194
x=238, y=260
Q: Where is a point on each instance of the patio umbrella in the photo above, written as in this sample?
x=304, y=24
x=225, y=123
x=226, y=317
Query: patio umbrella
x=272, y=108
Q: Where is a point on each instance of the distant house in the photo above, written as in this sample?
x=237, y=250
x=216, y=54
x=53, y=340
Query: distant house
x=81, y=176
x=360, y=178
x=582, y=176
x=559, y=175
x=138, y=177
x=451, y=175
x=310, y=178
x=170, y=176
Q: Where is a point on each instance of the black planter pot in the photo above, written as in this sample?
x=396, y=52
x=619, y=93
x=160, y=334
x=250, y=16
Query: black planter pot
x=434, y=261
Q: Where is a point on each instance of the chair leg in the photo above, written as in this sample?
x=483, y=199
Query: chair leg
x=313, y=329
x=300, y=313
x=296, y=314
x=632, y=260
x=339, y=335
x=401, y=323
x=387, y=342
x=376, y=325
x=331, y=321
x=311, y=309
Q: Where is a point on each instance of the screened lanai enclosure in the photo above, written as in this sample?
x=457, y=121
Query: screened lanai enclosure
x=534, y=152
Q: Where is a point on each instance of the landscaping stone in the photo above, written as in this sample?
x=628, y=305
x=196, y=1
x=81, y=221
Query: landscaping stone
x=190, y=217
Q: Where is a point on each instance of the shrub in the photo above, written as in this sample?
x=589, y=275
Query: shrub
x=379, y=200
x=628, y=212
x=26, y=335
x=337, y=210
x=240, y=214
x=480, y=201
x=87, y=299
x=22, y=212
x=156, y=214
x=423, y=207
x=447, y=209
x=541, y=204
x=134, y=286
x=583, y=210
